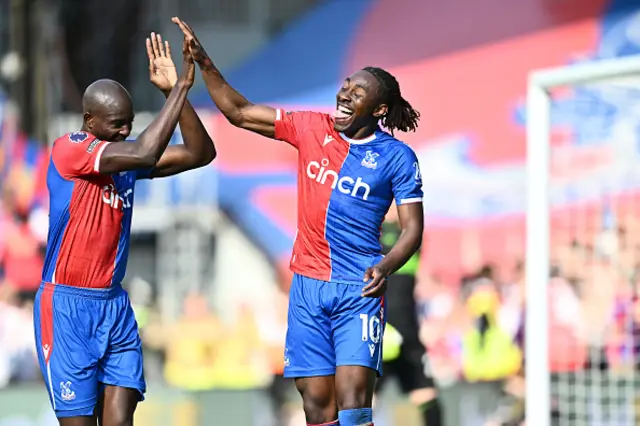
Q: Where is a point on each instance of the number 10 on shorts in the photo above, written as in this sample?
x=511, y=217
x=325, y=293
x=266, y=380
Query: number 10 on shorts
x=371, y=328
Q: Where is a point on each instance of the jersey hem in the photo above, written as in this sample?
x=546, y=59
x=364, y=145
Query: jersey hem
x=84, y=292
x=323, y=278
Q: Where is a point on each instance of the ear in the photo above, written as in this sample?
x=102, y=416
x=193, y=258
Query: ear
x=380, y=111
x=88, y=119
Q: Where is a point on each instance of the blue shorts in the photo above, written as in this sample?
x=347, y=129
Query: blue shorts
x=330, y=324
x=85, y=339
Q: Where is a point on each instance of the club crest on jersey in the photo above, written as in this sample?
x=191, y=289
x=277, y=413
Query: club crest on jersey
x=369, y=160
x=78, y=137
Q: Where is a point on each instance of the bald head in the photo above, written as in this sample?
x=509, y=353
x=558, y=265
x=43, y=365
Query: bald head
x=103, y=94
x=108, y=110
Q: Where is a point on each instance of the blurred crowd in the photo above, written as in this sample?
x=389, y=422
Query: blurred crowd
x=22, y=247
x=474, y=332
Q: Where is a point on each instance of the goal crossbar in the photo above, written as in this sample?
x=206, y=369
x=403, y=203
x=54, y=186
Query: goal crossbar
x=538, y=129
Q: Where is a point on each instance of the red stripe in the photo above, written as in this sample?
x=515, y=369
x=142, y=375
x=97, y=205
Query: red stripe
x=335, y=422
x=89, y=246
x=318, y=170
x=46, y=321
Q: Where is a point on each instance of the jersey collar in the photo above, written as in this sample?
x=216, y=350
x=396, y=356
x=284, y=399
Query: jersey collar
x=368, y=139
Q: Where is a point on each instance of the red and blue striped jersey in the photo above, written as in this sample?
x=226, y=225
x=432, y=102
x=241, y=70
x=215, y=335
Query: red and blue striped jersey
x=90, y=215
x=345, y=188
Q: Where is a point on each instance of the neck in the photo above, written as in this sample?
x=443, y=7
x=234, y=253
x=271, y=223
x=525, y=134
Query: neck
x=362, y=132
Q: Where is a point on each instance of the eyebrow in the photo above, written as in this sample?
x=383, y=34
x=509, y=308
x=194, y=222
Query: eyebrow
x=360, y=86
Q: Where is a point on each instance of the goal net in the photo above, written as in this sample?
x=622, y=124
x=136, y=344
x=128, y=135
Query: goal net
x=583, y=245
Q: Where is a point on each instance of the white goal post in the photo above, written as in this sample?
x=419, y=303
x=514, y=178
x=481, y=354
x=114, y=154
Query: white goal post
x=538, y=124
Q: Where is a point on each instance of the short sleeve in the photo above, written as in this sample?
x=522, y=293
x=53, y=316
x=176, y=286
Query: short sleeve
x=289, y=126
x=407, y=179
x=78, y=154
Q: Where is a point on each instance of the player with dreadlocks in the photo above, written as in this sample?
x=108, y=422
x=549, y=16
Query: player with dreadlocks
x=349, y=173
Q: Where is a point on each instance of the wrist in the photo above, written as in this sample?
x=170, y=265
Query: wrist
x=384, y=268
x=182, y=85
x=205, y=64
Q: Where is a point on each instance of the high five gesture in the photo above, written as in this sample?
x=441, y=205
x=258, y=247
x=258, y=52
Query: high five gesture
x=235, y=107
x=198, y=149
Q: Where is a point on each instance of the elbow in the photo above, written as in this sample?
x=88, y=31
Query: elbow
x=235, y=119
x=209, y=153
x=417, y=232
x=208, y=157
x=238, y=116
x=147, y=161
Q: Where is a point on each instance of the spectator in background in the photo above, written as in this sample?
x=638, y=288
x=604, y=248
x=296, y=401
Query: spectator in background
x=18, y=359
x=23, y=258
x=202, y=353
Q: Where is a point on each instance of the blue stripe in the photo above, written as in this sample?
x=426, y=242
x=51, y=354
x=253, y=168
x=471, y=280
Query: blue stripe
x=58, y=218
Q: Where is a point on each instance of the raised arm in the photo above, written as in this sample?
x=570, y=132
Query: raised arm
x=235, y=107
x=145, y=152
x=198, y=149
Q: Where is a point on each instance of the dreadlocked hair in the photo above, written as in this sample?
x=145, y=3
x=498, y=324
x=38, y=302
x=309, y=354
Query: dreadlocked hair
x=400, y=114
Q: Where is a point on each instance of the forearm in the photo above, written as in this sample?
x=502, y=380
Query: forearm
x=228, y=100
x=406, y=246
x=155, y=138
x=195, y=137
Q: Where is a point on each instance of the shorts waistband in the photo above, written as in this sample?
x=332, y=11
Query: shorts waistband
x=84, y=292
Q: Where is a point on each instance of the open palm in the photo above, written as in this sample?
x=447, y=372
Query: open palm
x=162, y=70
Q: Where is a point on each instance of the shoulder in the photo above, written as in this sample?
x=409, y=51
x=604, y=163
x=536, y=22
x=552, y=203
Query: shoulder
x=80, y=139
x=396, y=148
x=305, y=118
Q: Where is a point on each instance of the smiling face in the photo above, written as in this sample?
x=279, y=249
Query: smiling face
x=112, y=122
x=358, y=104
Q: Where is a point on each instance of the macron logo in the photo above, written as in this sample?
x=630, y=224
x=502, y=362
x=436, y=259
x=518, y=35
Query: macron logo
x=372, y=349
x=327, y=139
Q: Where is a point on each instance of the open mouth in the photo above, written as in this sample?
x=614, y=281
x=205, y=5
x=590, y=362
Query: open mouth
x=342, y=114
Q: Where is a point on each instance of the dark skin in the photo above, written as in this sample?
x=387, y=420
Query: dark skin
x=109, y=116
x=352, y=386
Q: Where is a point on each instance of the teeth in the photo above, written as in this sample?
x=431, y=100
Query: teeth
x=345, y=110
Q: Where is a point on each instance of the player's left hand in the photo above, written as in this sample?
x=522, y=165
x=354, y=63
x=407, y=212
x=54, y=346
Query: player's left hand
x=376, y=277
x=162, y=70
x=197, y=51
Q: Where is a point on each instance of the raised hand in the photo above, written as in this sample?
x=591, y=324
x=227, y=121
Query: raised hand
x=162, y=70
x=188, y=66
x=197, y=51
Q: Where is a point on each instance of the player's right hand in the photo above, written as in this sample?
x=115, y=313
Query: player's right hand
x=195, y=47
x=188, y=66
x=162, y=70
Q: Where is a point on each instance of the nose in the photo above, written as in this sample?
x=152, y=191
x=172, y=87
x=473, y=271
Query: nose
x=125, y=131
x=342, y=96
